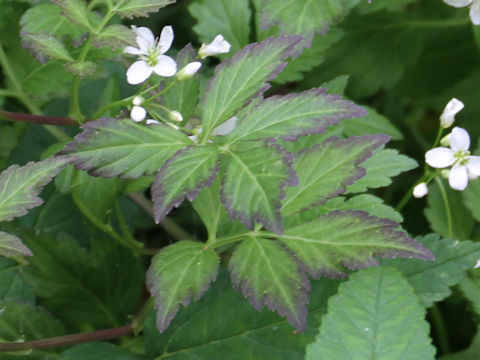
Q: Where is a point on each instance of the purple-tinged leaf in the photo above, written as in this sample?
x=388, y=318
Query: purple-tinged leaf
x=75, y=11
x=326, y=169
x=267, y=274
x=293, y=115
x=135, y=8
x=239, y=79
x=349, y=239
x=183, y=176
x=10, y=245
x=115, y=36
x=178, y=273
x=45, y=46
x=111, y=147
x=20, y=186
x=253, y=186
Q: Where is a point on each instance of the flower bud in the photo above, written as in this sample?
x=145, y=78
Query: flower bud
x=445, y=173
x=189, y=70
x=218, y=46
x=448, y=116
x=175, y=116
x=138, y=100
x=445, y=141
x=420, y=190
x=138, y=113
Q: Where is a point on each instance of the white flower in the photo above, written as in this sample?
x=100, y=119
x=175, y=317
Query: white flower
x=189, y=70
x=448, y=116
x=174, y=115
x=464, y=166
x=138, y=113
x=420, y=190
x=150, y=53
x=474, y=8
x=218, y=46
x=477, y=265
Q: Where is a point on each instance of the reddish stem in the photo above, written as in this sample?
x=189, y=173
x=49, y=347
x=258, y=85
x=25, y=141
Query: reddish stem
x=37, y=119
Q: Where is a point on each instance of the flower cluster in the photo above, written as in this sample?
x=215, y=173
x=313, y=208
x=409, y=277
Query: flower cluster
x=474, y=8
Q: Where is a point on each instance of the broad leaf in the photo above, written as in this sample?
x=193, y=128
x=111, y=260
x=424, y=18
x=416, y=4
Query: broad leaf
x=471, y=198
x=432, y=279
x=380, y=168
x=253, y=186
x=229, y=18
x=47, y=80
x=183, y=176
x=10, y=245
x=135, y=8
x=178, y=273
x=372, y=123
x=98, y=351
x=375, y=316
x=268, y=275
x=238, y=79
x=112, y=147
x=325, y=170
x=349, y=239
x=223, y=325
x=20, y=186
x=115, y=36
x=75, y=11
x=293, y=115
x=45, y=47
x=98, y=289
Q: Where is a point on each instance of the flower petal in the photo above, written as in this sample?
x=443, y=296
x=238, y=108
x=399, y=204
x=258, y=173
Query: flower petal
x=133, y=51
x=475, y=13
x=473, y=165
x=458, y=178
x=458, y=3
x=166, y=66
x=138, y=72
x=439, y=157
x=166, y=39
x=145, y=38
x=218, y=46
x=459, y=139
x=448, y=116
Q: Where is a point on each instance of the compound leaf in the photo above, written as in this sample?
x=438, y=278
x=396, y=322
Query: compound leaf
x=111, y=147
x=374, y=316
x=178, y=273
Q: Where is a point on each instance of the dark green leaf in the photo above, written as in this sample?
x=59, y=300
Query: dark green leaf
x=178, y=273
x=98, y=351
x=12, y=284
x=372, y=123
x=471, y=198
x=469, y=354
x=47, y=80
x=10, y=245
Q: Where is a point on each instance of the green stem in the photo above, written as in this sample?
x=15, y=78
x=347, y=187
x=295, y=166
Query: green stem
x=440, y=329
x=139, y=320
x=226, y=240
x=447, y=206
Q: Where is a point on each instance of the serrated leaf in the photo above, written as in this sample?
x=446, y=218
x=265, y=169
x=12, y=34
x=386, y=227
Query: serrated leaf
x=75, y=11
x=229, y=18
x=349, y=239
x=325, y=170
x=253, y=186
x=462, y=221
x=178, y=273
x=304, y=17
x=375, y=316
x=98, y=288
x=245, y=75
x=10, y=245
x=293, y=115
x=380, y=168
x=268, y=275
x=372, y=123
x=20, y=186
x=82, y=69
x=135, y=8
x=224, y=325
x=432, y=279
x=98, y=351
x=45, y=46
x=183, y=176
x=111, y=147
x=114, y=36
x=471, y=198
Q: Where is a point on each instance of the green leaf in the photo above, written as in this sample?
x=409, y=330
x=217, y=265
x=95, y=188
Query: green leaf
x=304, y=17
x=462, y=222
x=471, y=198
x=45, y=46
x=229, y=18
x=383, y=165
x=325, y=170
x=178, y=273
x=223, y=325
x=99, y=288
x=183, y=176
x=293, y=115
x=98, y=351
x=238, y=79
x=82, y=68
x=349, y=239
x=12, y=284
x=75, y=11
x=253, y=186
x=10, y=246
x=432, y=279
x=375, y=316
x=268, y=275
x=470, y=287
x=372, y=123
x=114, y=36
x=135, y=8
x=47, y=80
x=111, y=147
x=469, y=354
x=20, y=186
